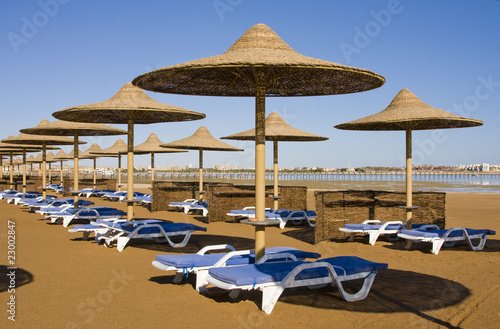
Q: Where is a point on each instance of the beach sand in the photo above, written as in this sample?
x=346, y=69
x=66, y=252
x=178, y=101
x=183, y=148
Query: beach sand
x=64, y=282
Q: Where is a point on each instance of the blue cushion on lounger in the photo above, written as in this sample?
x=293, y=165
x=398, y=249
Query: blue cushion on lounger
x=369, y=227
x=167, y=227
x=275, y=272
x=195, y=260
x=440, y=233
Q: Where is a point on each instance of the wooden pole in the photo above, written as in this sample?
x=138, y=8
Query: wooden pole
x=275, y=169
x=260, y=163
x=408, y=180
x=130, y=168
x=75, y=169
x=44, y=164
x=200, y=173
x=24, y=170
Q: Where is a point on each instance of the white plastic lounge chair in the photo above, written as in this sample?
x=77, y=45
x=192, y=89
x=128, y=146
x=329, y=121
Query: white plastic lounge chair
x=374, y=228
x=88, y=229
x=90, y=214
x=297, y=217
x=6, y=193
x=446, y=237
x=153, y=229
x=60, y=205
x=273, y=278
x=201, y=262
x=203, y=206
x=181, y=204
x=246, y=212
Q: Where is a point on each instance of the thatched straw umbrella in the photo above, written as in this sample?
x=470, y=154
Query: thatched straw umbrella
x=130, y=105
x=14, y=149
x=151, y=146
x=259, y=64
x=407, y=112
x=201, y=140
x=75, y=130
x=277, y=130
x=44, y=141
x=115, y=150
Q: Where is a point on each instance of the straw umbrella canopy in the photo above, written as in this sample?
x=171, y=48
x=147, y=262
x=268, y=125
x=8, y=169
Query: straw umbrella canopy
x=151, y=146
x=130, y=105
x=44, y=141
x=407, y=112
x=74, y=129
x=201, y=140
x=277, y=130
x=115, y=150
x=259, y=64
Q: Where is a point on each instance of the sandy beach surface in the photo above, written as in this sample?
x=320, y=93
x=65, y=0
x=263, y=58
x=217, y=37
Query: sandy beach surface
x=65, y=282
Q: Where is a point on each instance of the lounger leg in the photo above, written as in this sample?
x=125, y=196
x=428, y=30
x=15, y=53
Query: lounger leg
x=86, y=235
x=282, y=223
x=178, y=277
x=351, y=237
x=201, y=280
x=233, y=294
x=481, y=244
x=373, y=236
x=362, y=293
x=436, y=246
x=408, y=244
x=270, y=296
x=122, y=242
x=181, y=244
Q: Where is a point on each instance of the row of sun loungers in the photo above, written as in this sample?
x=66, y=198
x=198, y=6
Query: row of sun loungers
x=279, y=269
x=393, y=230
x=236, y=271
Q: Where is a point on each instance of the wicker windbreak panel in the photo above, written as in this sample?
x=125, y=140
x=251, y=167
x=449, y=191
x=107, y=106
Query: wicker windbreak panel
x=224, y=198
x=166, y=192
x=336, y=208
x=101, y=184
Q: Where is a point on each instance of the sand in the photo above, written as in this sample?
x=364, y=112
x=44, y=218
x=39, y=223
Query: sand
x=64, y=282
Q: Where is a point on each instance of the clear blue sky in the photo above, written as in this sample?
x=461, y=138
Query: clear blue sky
x=61, y=53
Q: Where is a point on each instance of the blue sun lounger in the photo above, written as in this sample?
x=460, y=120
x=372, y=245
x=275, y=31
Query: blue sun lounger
x=89, y=214
x=153, y=229
x=201, y=262
x=272, y=278
x=447, y=237
x=375, y=228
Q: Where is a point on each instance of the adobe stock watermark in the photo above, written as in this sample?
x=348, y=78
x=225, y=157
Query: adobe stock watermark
x=32, y=25
x=363, y=35
x=223, y=6
x=422, y=148
x=93, y=305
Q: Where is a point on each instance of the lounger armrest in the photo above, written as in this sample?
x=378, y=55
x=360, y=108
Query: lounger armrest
x=372, y=221
x=215, y=247
x=393, y=222
x=449, y=231
x=223, y=260
x=278, y=255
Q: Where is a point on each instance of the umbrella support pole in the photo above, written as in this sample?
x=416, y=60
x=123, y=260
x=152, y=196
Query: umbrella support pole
x=95, y=172
x=24, y=170
x=260, y=163
x=75, y=170
x=44, y=169
x=11, y=171
x=130, y=169
x=152, y=169
x=408, y=180
x=200, y=169
x=275, y=170
x=119, y=172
